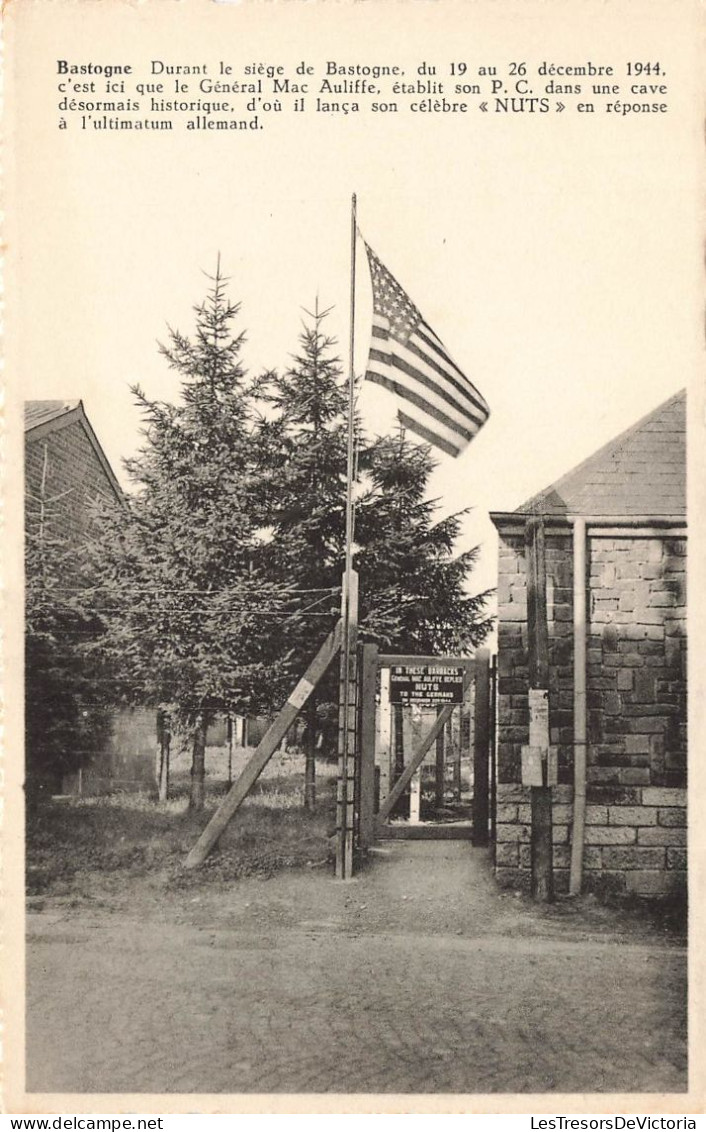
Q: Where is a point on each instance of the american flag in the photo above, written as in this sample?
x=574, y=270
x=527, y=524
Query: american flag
x=441, y=405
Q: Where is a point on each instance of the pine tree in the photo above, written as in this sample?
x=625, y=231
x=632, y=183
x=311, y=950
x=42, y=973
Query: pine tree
x=307, y=500
x=304, y=445
x=186, y=611
x=413, y=595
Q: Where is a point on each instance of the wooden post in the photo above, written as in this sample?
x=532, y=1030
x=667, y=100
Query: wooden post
x=159, y=752
x=384, y=743
x=415, y=784
x=265, y=749
x=310, y=755
x=347, y=738
x=165, y=737
x=402, y=808
x=538, y=645
x=456, y=760
x=440, y=769
x=197, y=796
x=449, y=746
x=481, y=744
x=368, y=681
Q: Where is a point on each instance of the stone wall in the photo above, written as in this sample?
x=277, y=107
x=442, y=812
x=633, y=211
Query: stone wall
x=636, y=700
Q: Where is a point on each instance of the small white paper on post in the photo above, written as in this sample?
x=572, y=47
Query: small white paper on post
x=539, y=717
x=532, y=766
x=300, y=694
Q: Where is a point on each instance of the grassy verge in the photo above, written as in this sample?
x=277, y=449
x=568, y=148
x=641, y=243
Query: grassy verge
x=77, y=842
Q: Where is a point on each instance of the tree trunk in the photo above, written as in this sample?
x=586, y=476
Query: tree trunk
x=164, y=739
x=198, y=766
x=310, y=756
x=163, y=784
x=230, y=726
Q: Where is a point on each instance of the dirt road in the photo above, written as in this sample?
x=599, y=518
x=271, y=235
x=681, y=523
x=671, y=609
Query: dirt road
x=417, y=977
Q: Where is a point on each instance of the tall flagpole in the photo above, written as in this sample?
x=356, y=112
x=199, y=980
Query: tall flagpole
x=351, y=406
x=349, y=612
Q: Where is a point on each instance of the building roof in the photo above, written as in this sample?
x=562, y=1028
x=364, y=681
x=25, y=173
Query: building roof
x=642, y=472
x=41, y=412
x=44, y=417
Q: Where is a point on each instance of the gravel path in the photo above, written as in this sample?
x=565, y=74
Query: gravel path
x=417, y=977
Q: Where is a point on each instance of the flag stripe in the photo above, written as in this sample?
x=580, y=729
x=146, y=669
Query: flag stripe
x=419, y=392
x=436, y=344
x=424, y=368
x=413, y=378
x=426, y=406
x=449, y=433
x=428, y=435
x=465, y=389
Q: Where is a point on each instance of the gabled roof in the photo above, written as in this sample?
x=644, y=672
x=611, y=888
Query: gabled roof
x=44, y=417
x=641, y=472
x=41, y=412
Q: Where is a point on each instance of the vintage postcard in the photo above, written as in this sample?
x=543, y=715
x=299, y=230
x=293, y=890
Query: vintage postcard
x=353, y=475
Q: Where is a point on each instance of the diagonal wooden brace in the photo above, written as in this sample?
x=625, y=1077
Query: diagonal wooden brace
x=265, y=749
x=418, y=756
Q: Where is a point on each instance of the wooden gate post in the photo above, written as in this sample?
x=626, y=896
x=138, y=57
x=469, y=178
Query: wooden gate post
x=347, y=737
x=385, y=744
x=440, y=767
x=457, y=730
x=481, y=748
x=265, y=749
x=397, y=763
x=410, y=731
x=310, y=755
x=368, y=681
x=538, y=643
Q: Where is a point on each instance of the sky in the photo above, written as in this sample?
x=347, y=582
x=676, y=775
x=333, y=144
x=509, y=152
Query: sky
x=555, y=256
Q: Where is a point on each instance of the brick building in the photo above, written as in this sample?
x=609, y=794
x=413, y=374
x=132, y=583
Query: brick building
x=66, y=474
x=66, y=470
x=619, y=634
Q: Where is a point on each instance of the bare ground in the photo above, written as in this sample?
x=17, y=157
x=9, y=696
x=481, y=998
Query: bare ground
x=416, y=977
